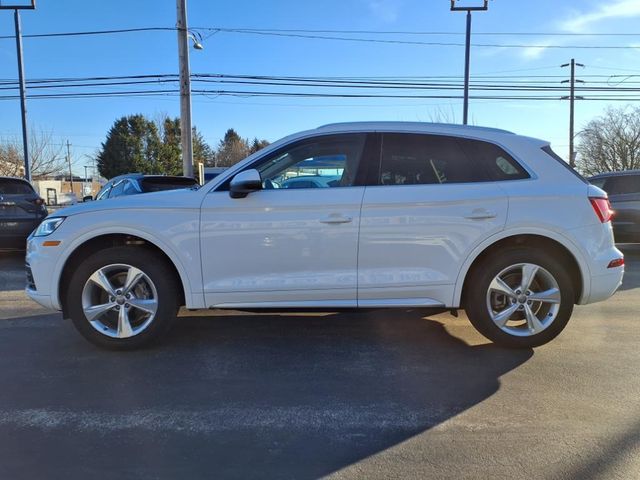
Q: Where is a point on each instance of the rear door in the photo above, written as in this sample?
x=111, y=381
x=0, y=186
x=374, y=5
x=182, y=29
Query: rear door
x=431, y=201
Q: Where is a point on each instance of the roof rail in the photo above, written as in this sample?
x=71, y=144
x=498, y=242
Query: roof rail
x=423, y=124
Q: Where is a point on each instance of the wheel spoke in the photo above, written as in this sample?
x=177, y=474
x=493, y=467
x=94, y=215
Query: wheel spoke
x=96, y=311
x=548, y=296
x=499, y=285
x=146, y=305
x=528, y=274
x=100, y=279
x=124, y=326
x=532, y=321
x=502, y=317
x=133, y=277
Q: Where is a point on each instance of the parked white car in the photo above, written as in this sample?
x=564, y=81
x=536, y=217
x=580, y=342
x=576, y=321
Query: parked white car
x=415, y=215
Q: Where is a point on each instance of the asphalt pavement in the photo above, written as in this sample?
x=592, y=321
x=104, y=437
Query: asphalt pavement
x=384, y=394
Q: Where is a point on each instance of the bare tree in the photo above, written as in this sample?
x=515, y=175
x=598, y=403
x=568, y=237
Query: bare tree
x=46, y=158
x=610, y=142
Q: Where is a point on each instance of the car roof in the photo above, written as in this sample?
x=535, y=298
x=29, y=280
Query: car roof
x=619, y=173
x=14, y=178
x=421, y=127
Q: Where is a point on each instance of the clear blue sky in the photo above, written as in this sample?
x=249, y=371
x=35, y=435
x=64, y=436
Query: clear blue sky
x=85, y=121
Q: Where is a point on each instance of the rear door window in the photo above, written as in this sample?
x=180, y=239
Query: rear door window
x=418, y=159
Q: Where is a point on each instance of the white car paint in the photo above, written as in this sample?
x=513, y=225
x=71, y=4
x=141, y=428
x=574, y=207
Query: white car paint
x=344, y=247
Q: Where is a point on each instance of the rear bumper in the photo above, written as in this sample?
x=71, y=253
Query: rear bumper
x=14, y=232
x=605, y=285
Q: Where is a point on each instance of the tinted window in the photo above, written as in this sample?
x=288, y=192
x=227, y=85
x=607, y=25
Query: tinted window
x=497, y=163
x=622, y=184
x=413, y=159
x=10, y=186
x=157, y=184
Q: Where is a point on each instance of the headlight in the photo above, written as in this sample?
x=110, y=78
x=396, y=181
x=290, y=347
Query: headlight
x=48, y=226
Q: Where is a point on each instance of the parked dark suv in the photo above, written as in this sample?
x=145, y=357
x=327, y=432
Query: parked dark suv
x=624, y=194
x=21, y=211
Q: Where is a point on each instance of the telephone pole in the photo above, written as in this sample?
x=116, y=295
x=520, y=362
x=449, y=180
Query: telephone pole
x=185, y=89
x=572, y=98
x=467, y=52
x=69, y=161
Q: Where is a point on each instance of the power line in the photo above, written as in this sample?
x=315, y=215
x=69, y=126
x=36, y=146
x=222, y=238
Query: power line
x=332, y=35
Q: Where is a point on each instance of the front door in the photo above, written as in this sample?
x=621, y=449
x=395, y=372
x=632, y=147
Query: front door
x=294, y=243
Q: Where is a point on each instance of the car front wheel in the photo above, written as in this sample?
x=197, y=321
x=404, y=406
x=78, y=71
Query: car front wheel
x=122, y=298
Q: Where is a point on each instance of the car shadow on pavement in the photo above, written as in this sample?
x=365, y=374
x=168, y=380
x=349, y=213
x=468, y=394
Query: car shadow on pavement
x=238, y=396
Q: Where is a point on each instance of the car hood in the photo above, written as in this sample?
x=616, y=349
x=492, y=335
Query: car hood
x=180, y=198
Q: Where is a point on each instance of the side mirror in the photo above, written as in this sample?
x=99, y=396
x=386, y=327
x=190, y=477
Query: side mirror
x=244, y=183
x=87, y=198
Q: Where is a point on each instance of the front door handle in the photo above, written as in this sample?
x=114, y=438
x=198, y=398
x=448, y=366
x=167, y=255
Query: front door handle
x=334, y=218
x=481, y=214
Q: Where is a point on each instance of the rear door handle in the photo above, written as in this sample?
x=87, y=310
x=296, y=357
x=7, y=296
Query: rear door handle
x=334, y=218
x=481, y=214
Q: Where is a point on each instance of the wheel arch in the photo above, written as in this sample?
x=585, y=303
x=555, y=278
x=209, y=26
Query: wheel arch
x=107, y=240
x=549, y=241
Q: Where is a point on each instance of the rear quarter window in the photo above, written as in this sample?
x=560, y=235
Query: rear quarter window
x=497, y=163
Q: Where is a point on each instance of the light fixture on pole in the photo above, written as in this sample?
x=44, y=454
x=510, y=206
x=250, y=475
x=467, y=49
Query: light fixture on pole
x=459, y=6
x=16, y=6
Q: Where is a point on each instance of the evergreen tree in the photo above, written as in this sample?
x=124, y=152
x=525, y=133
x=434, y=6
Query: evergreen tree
x=132, y=145
x=257, y=145
x=231, y=149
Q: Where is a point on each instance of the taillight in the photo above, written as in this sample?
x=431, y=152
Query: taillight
x=602, y=207
x=618, y=262
x=38, y=201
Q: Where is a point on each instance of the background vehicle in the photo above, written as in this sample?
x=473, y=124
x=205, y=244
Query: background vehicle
x=414, y=215
x=134, y=183
x=67, y=198
x=624, y=194
x=21, y=211
x=212, y=172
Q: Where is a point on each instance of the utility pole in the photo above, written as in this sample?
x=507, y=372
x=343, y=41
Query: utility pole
x=16, y=7
x=572, y=98
x=185, y=89
x=467, y=52
x=69, y=161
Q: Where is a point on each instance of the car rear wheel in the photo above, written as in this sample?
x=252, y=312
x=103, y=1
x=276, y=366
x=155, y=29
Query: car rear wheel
x=519, y=297
x=122, y=298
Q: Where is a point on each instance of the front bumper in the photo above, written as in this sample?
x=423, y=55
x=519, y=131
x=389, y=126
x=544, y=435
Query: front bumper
x=41, y=263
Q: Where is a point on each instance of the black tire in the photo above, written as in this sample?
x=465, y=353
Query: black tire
x=480, y=278
x=156, y=269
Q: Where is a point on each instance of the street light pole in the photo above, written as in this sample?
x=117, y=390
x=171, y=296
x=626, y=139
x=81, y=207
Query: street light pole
x=185, y=89
x=16, y=6
x=23, y=96
x=467, y=53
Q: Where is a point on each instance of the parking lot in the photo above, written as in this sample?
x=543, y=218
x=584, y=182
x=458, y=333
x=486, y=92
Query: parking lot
x=385, y=394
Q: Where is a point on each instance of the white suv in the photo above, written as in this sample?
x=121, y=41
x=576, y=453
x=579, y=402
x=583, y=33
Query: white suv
x=394, y=215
